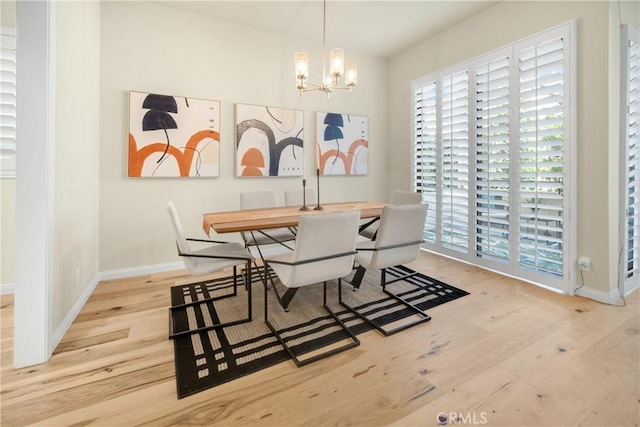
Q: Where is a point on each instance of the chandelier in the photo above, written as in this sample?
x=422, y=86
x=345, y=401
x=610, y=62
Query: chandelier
x=336, y=67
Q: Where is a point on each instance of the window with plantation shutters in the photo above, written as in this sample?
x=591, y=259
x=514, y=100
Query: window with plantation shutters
x=541, y=152
x=492, y=160
x=454, y=169
x=492, y=141
x=630, y=134
x=425, y=155
x=7, y=106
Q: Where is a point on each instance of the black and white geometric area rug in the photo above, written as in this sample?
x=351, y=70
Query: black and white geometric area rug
x=207, y=359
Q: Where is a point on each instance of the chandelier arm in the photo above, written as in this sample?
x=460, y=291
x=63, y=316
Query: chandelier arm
x=314, y=87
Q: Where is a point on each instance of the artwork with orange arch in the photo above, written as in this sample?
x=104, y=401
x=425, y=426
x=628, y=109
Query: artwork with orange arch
x=171, y=136
x=342, y=144
x=269, y=141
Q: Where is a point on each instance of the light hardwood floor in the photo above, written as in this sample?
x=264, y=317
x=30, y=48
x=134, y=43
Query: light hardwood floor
x=508, y=354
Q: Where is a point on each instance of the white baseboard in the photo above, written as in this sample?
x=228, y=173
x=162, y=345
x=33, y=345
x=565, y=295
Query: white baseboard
x=72, y=314
x=140, y=271
x=7, y=288
x=106, y=275
x=600, y=296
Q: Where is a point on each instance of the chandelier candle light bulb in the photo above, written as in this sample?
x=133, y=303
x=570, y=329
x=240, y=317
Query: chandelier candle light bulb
x=351, y=78
x=302, y=69
x=337, y=62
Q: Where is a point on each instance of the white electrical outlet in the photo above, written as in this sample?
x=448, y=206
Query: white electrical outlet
x=584, y=263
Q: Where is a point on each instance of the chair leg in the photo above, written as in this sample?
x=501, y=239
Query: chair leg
x=266, y=288
x=235, y=280
x=302, y=362
x=208, y=301
x=247, y=284
x=384, y=282
x=424, y=317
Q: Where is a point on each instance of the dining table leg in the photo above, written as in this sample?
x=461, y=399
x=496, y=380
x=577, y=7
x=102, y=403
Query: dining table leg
x=356, y=281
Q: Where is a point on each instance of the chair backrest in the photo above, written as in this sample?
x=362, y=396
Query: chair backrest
x=399, y=224
x=181, y=240
x=294, y=197
x=405, y=198
x=258, y=199
x=323, y=235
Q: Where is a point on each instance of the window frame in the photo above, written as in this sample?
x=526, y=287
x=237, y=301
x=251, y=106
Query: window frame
x=628, y=33
x=8, y=165
x=567, y=31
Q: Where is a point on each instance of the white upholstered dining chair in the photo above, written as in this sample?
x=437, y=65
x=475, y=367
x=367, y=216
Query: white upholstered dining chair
x=324, y=250
x=294, y=197
x=398, y=241
x=398, y=197
x=259, y=200
x=209, y=260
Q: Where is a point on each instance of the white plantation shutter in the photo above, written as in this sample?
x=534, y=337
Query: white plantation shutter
x=492, y=147
x=425, y=153
x=492, y=159
x=7, y=106
x=631, y=134
x=454, y=125
x=540, y=218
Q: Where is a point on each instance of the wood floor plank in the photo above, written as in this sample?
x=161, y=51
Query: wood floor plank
x=94, y=339
x=561, y=398
x=86, y=368
x=41, y=407
x=618, y=350
x=562, y=346
x=620, y=405
x=477, y=399
x=496, y=351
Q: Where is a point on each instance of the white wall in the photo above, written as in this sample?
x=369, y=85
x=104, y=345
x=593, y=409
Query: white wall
x=7, y=231
x=502, y=24
x=151, y=48
x=76, y=159
x=8, y=13
x=57, y=172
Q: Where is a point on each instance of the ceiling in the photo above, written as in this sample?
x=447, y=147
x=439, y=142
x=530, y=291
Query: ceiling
x=378, y=27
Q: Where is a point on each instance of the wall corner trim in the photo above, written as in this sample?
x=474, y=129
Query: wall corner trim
x=140, y=271
x=58, y=334
x=7, y=288
x=600, y=296
x=105, y=275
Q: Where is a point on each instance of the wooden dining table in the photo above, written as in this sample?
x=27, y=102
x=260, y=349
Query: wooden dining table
x=288, y=216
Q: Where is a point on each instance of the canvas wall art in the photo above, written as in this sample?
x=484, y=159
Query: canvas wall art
x=269, y=141
x=342, y=144
x=172, y=136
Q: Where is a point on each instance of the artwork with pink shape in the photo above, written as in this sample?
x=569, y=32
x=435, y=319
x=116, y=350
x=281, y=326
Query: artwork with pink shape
x=342, y=144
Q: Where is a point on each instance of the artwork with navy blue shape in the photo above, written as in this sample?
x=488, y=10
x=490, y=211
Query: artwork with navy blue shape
x=158, y=116
x=173, y=136
x=269, y=141
x=342, y=144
